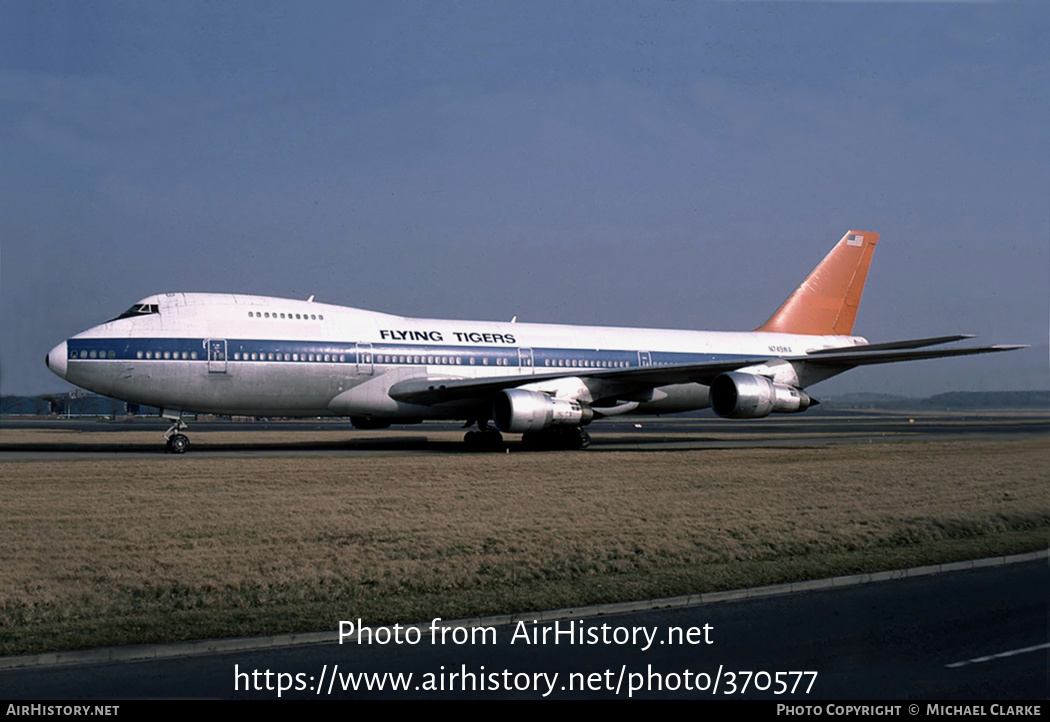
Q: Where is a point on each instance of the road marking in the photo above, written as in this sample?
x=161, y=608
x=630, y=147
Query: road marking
x=1001, y=655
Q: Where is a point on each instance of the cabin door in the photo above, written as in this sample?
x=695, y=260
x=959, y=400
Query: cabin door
x=525, y=360
x=216, y=355
x=365, y=359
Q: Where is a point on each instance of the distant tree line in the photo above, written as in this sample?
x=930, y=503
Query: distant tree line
x=945, y=401
x=71, y=404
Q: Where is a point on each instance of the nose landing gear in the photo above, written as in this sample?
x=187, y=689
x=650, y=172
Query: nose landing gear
x=177, y=443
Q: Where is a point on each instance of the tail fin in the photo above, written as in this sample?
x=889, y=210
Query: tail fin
x=826, y=302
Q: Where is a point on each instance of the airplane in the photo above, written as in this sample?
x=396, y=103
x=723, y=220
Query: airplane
x=264, y=356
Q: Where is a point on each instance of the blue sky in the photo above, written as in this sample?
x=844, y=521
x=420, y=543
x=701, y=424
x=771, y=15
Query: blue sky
x=672, y=164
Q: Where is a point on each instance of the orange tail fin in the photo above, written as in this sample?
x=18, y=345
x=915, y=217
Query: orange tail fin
x=826, y=302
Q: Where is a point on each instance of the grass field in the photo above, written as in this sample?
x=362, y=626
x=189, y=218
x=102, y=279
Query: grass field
x=119, y=551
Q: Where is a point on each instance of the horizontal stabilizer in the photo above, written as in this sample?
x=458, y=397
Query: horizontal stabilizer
x=848, y=358
x=898, y=345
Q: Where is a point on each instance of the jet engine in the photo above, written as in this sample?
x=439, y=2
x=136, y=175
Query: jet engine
x=738, y=395
x=518, y=411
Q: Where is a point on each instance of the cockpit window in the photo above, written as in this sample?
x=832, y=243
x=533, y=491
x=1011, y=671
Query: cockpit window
x=139, y=309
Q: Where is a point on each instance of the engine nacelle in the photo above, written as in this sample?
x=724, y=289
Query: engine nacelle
x=517, y=411
x=749, y=396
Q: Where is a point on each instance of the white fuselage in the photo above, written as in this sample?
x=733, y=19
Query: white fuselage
x=257, y=355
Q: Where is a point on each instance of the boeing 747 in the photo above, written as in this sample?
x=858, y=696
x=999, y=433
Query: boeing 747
x=261, y=356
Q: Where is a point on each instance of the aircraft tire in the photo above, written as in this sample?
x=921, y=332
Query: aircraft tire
x=559, y=438
x=585, y=439
x=488, y=440
x=179, y=444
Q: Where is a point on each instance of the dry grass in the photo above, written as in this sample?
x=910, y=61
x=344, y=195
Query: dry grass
x=101, y=552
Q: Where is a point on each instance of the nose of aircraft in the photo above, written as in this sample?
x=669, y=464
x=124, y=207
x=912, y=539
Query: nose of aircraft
x=56, y=359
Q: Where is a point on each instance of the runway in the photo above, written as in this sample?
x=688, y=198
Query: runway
x=24, y=439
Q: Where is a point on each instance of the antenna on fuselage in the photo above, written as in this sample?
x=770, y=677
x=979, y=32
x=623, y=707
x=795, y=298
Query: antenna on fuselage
x=311, y=299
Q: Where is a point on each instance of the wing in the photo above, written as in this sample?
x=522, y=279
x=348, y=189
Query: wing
x=619, y=382
x=427, y=391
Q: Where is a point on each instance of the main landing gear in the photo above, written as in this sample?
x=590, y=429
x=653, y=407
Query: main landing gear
x=177, y=443
x=485, y=438
x=556, y=438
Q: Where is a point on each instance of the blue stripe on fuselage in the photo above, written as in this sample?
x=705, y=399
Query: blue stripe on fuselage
x=380, y=354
